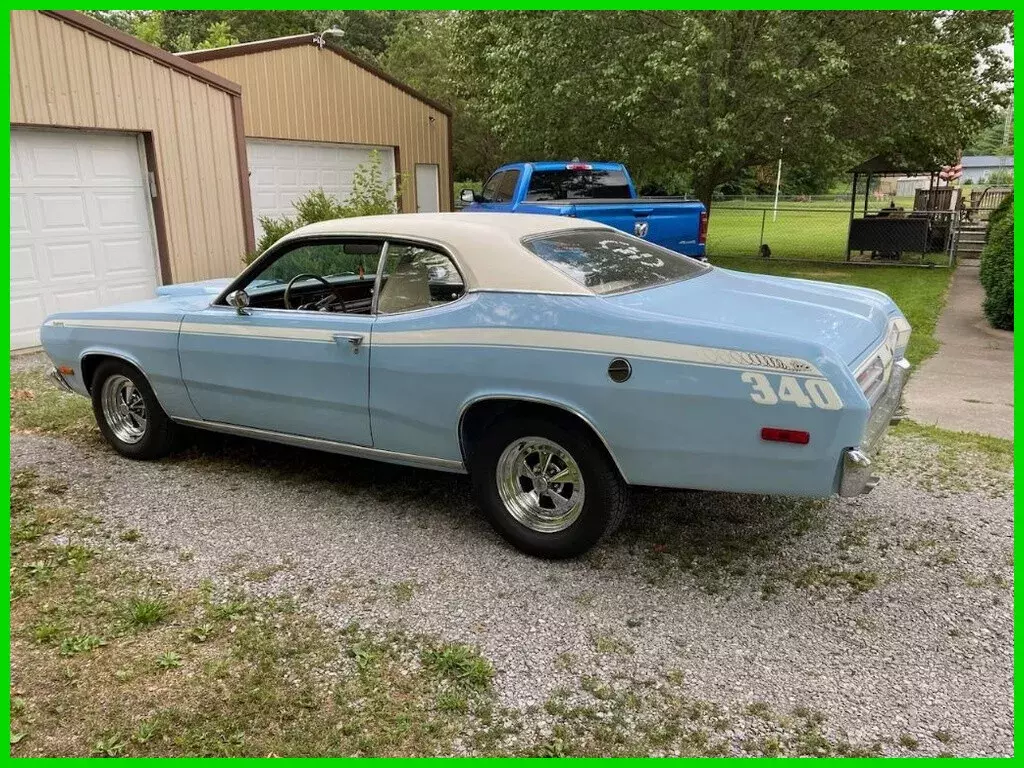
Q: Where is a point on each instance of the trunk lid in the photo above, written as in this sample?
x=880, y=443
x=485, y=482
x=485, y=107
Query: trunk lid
x=846, y=319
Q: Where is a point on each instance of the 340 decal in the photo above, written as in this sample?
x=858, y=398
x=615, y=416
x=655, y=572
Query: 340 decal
x=811, y=393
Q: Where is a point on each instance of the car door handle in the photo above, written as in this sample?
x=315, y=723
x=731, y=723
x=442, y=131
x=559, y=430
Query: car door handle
x=355, y=339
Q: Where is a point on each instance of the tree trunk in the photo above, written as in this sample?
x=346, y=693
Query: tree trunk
x=703, y=187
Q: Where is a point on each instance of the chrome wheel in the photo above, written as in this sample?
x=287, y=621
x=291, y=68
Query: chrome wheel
x=540, y=484
x=124, y=409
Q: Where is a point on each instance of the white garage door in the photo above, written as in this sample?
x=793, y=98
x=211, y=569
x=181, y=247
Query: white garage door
x=81, y=226
x=280, y=172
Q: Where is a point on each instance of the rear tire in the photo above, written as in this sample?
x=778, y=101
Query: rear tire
x=128, y=414
x=547, y=486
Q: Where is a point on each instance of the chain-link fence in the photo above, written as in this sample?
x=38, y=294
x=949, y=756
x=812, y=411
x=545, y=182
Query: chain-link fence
x=890, y=231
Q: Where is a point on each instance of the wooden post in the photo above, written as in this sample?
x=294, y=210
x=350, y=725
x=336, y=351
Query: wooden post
x=853, y=208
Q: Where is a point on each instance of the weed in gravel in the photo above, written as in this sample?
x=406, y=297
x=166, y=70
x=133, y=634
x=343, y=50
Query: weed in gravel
x=264, y=572
x=143, y=611
x=986, y=580
x=459, y=664
x=908, y=741
x=111, y=745
x=939, y=459
x=609, y=644
x=169, y=660
x=48, y=631
x=943, y=735
x=69, y=646
x=403, y=591
x=818, y=576
x=130, y=535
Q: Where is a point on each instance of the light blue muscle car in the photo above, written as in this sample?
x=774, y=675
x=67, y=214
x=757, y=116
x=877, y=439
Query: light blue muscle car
x=556, y=361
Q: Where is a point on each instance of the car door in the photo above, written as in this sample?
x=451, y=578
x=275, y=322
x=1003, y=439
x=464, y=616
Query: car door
x=293, y=371
x=412, y=387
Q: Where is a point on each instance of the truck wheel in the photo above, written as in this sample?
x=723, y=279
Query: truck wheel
x=128, y=413
x=547, y=486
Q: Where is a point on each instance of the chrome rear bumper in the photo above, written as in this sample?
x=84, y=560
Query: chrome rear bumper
x=855, y=475
x=59, y=380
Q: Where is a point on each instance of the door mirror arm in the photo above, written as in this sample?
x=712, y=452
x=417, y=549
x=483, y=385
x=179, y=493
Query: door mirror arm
x=240, y=301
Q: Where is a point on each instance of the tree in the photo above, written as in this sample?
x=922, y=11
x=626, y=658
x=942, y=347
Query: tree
x=365, y=32
x=422, y=51
x=709, y=93
x=989, y=140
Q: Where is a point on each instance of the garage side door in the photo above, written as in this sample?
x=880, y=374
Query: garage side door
x=280, y=172
x=81, y=226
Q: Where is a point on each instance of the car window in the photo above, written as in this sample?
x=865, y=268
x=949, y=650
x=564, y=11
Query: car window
x=571, y=184
x=324, y=259
x=607, y=261
x=507, y=187
x=490, y=189
x=417, y=277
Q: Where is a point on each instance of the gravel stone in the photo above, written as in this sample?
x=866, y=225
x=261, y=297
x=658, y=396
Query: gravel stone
x=889, y=614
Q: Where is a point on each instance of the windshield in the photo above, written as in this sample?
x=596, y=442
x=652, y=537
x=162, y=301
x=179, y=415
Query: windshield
x=583, y=184
x=606, y=261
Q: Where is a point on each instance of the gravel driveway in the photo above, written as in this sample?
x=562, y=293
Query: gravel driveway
x=890, y=614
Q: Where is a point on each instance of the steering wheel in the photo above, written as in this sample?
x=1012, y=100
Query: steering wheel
x=288, y=289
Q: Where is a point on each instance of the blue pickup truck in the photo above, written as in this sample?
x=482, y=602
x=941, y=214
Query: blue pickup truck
x=602, y=192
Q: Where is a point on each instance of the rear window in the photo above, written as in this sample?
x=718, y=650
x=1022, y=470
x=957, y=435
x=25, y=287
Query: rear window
x=609, y=262
x=577, y=184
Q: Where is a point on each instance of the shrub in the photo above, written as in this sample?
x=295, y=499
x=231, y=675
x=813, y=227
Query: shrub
x=997, y=267
x=371, y=195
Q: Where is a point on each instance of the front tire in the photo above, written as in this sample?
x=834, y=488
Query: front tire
x=128, y=414
x=547, y=486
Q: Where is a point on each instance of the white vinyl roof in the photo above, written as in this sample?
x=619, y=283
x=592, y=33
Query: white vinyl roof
x=486, y=246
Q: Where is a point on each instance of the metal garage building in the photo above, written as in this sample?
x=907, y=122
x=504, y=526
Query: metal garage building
x=127, y=169
x=131, y=166
x=313, y=114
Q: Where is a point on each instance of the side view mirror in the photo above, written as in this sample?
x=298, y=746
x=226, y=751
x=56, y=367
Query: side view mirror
x=239, y=300
x=467, y=196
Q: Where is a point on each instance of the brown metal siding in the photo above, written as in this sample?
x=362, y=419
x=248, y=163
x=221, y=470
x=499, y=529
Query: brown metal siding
x=304, y=94
x=64, y=76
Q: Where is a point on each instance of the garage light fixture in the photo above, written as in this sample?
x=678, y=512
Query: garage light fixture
x=321, y=40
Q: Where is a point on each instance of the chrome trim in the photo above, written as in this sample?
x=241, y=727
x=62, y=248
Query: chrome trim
x=382, y=264
x=93, y=352
x=375, y=312
x=329, y=446
x=57, y=378
x=855, y=476
x=541, y=401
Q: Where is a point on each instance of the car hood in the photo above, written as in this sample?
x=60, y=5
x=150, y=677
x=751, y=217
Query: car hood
x=846, y=319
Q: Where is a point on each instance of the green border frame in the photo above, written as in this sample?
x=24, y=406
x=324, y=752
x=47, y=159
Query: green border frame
x=522, y=5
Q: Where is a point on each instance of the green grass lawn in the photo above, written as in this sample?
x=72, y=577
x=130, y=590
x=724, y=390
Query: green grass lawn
x=920, y=293
x=815, y=231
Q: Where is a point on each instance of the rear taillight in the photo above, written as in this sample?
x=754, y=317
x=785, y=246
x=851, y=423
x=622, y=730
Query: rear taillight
x=702, y=235
x=776, y=435
x=872, y=378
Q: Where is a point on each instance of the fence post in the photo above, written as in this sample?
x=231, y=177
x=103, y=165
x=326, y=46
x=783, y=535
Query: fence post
x=764, y=214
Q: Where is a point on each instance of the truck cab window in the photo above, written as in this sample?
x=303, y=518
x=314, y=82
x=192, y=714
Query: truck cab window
x=577, y=185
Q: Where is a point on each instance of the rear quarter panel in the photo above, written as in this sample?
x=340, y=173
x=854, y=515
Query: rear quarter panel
x=686, y=418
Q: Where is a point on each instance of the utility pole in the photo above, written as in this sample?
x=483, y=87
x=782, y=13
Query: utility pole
x=778, y=173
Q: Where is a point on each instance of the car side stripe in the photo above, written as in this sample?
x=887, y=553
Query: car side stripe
x=521, y=338
x=264, y=331
x=596, y=344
